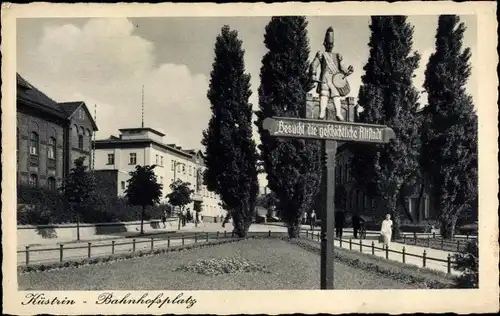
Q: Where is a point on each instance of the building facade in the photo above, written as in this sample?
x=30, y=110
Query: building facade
x=50, y=135
x=115, y=157
x=351, y=198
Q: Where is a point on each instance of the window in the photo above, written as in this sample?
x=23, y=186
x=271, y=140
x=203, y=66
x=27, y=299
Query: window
x=52, y=148
x=81, y=114
x=161, y=161
x=111, y=159
x=190, y=171
x=157, y=159
x=80, y=141
x=123, y=185
x=184, y=169
x=51, y=182
x=33, y=180
x=133, y=159
x=34, y=144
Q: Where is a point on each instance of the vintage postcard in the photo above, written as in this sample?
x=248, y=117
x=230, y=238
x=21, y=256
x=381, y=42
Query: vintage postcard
x=249, y=158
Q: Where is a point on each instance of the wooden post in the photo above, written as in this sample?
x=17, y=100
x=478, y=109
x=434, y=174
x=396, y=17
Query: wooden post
x=404, y=239
x=442, y=243
x=27, y=255
x=424, y=257
x=195, y=238
x=350, y=244
x=429, y=242
x=217, y=236
x=152, y=243
x=269, y=235
x=168, y=242
x=133, y=245
x=307, y=234
x=360, y=245
x=61, y=252
x=404, y=250
x=328, y=222
x=433, y=235
x=387, y=251
x=206, y=237
x=183, y=240
x=89, y=249
x=415, y=237
x=113, y=247
x=340, y=242
x=225, y=234
x=458, y=245
x=373, y=247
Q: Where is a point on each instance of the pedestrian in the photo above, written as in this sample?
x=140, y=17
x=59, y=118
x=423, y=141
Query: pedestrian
x=339, y=223
x=304, y=218
x=183, y=217
x=386, y=230
x=164, y=219
x=313, y=219
x=226, y=220
x=356, y=224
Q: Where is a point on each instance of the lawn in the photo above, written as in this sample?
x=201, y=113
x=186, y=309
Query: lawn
x=286, y=266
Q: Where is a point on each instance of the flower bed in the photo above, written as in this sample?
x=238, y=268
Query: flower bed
x=215, y=266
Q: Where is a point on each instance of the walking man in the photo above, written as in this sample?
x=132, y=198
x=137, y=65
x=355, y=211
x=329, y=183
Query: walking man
x=355, y=224
x=339, y=223
x=313, y=219
x=304, y=218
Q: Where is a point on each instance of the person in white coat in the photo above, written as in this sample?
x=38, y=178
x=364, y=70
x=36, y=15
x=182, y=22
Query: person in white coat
x=386, y=230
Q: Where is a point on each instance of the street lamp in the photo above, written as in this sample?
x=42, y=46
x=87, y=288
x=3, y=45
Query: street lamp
x=176, y=163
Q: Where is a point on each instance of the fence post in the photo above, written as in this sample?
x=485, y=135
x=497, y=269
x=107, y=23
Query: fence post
x=433, y=234
x=350, y=244
x=429, y=242
x=404, y=239
x=61, y=252
x=415, y=237
x=269, y=234
x=27, y=255
x=168, y=242
x=360, y=245
x=307, y=234
x=152, y=243
x=442, y=243
x=387, y=251
x=318, y=236
x=340, y=242
x=195, y=238
x=89, y=249
x=373, y=247
x=113, y=247
x=467, y=236
x=232, y=234
x=449, y=264
x=424, y=257
x=183, y=240
x=404, y=251
x=206, y=238
x=458, y=245
x=217, y=237
x=225, y=234
x=133, y=245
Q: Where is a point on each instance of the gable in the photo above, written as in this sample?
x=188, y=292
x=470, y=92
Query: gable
x=79, y=114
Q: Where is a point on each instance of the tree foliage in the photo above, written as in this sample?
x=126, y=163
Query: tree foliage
x=143, y=189
x=389, y=98
x=467, y=262
x=230, y=151
x=293, y=166
x=180, y=193
x=449, y=135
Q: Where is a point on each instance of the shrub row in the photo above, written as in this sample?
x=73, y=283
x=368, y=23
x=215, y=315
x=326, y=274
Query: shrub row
x=42, y=207
x=396, y=270
x=117, y=257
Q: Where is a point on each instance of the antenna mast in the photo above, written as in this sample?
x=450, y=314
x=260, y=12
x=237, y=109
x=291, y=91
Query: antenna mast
x=93, y=143
x=142, y=103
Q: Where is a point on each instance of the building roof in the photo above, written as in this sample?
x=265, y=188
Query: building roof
x=31, y=96
x=135, y=129
x=112, y=143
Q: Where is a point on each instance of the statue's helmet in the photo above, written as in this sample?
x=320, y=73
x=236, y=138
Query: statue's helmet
x=329, y=36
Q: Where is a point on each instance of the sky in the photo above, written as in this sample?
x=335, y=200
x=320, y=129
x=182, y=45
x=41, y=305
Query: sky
x=106, y=61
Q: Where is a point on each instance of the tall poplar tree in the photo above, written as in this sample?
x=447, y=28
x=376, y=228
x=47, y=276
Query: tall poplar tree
x=389, y=97
x=230, y=152
x=449, y=136
x=293, y=166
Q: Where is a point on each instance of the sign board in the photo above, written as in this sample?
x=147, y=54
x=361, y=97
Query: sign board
x=327, y=130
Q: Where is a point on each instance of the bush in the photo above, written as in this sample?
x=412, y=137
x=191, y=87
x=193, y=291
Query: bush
x=467, y=262
x=38, y=206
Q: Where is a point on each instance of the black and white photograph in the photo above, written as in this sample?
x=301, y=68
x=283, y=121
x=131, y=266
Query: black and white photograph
x=247, y=152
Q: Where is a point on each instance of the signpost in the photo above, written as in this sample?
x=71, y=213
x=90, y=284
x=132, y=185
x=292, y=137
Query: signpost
x=329, y=132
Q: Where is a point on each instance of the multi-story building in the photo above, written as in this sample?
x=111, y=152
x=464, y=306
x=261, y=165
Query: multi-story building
x=115, y=157
x=352, y=198
x=50, y=136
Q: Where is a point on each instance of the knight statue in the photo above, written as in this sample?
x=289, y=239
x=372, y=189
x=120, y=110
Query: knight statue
x=332, y=80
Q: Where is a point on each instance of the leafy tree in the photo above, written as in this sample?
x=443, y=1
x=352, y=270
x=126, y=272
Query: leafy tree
x=230, y=152
x=78, y=189
x=449, y=136
x=180, y=194
x=293, y=166
x=143, y=189
x=389, y=98
x=467, y=262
